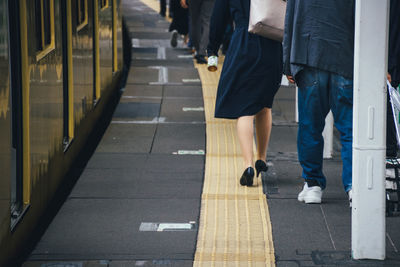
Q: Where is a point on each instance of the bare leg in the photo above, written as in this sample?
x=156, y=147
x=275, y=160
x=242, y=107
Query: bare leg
x=263, y=132
x=245, y=131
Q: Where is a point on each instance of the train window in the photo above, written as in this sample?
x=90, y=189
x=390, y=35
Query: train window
x=104, y=4
x=44, y=19
x=46, y=22
x=82, y=14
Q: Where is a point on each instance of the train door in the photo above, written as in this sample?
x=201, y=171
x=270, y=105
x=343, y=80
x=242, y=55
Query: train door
x=17, y=204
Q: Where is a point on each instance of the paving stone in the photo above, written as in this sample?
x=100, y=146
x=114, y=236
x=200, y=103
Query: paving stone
x=109, y=229
x=172, y=138
x=279, y=133
x=142, y=90
x=138, y=75
x=117, y=160
x=118, y=138
x=292, y=225
x=137, y=109
x=183, y=91
x=152, y=263
x=176, y=63
x=139, y=183
x=183, y=110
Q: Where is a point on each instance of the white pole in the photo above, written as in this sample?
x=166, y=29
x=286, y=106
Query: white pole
x=369, y=129
x=328, y=136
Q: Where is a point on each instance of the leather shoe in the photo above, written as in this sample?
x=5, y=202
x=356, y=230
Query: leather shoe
x=201, y=59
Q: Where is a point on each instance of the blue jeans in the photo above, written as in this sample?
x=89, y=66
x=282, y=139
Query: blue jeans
x=321, y=91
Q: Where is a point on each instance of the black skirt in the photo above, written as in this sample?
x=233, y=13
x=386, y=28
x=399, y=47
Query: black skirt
x=250, y=77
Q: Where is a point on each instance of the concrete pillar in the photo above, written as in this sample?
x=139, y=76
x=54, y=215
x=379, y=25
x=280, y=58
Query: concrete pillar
x=369, y=129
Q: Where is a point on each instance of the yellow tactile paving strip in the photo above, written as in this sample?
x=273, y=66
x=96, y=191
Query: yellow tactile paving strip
x=234, y=227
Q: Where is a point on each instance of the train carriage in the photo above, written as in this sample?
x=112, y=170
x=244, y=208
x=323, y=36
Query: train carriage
x=61, y=62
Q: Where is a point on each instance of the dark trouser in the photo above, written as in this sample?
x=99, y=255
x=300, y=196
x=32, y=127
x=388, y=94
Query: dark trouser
x=200, y=15
x=163, y=7
x=391, y=140
x=319, y=92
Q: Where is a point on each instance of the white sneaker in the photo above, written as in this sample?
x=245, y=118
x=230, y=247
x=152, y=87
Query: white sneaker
x=310, y=195
x=212, y=63
x=350, y=194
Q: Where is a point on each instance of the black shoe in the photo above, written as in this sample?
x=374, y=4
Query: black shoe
x=261, y=166
x=201, y=59
x=174, y=38
x=247, y=177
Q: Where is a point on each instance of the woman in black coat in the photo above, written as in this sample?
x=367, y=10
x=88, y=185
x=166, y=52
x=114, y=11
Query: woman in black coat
x=180, y=20
x=250, y=77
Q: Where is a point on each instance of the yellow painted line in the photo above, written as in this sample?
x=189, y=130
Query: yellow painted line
x=234, y=227
x=96, y=50
x=114, y=32
x=71, y=119
x=42, y=23
x=25, y=77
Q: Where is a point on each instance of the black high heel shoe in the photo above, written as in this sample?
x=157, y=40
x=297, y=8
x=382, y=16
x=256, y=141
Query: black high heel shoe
x=247, y=177
x=261, y=166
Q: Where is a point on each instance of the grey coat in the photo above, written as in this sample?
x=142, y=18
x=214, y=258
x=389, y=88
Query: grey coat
x=319, y=34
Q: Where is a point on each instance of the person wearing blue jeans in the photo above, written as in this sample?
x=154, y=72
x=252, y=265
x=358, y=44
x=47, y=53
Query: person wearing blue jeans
x=320, y=91
x=318, y=52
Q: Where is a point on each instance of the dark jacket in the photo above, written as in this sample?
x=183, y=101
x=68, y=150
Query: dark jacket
x=394, y=42
x=319, y=34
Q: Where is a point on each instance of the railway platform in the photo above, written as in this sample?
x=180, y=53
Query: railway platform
x=162, y=186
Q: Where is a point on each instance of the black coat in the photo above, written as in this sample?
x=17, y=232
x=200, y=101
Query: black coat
x=180, y=20
x=319, y=34
x=252, y=68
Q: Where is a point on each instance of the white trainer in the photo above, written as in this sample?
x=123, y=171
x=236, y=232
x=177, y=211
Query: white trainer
x=350, y=194
x=212, y=63
x=310, y=195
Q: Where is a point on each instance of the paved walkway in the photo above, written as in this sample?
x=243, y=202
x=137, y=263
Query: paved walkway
x=148, y=168
x=138, y=200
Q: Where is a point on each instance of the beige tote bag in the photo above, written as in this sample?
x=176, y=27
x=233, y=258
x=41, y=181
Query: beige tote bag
x=267, y=18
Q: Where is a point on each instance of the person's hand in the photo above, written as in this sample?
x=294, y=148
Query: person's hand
x=389, y=78
x=184, y=4
x=290, y=78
